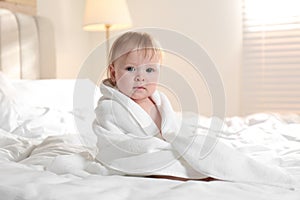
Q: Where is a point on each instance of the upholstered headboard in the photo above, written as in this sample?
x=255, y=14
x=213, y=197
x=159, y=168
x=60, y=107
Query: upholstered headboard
x=26, y=46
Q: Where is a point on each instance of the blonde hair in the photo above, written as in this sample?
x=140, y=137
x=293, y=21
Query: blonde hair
x=133, y=41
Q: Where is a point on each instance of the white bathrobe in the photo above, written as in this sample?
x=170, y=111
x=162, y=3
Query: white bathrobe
x=130, y=143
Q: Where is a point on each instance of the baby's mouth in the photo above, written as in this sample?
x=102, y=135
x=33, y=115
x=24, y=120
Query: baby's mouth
x=139, y=88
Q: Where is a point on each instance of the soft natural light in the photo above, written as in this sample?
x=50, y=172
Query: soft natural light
x=262, y=14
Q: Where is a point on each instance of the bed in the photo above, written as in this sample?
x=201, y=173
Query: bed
x=45, y=154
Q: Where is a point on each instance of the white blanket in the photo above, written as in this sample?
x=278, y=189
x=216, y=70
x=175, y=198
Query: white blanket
x=59, y=167
x=129, y=143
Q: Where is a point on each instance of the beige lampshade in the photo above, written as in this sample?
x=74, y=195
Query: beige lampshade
x=100, y=13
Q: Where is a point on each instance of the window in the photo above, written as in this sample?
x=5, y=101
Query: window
x=271, y=56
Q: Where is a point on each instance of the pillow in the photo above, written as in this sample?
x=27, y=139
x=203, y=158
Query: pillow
x=56, y=107
x=8, y=107
x=40, y=108
x=55, y=93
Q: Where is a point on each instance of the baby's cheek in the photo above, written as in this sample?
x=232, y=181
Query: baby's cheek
x=124, y=79
x=125, y=87
x=152, y=87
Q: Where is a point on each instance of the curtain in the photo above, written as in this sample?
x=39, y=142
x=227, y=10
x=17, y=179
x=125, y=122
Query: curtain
x=271, y=56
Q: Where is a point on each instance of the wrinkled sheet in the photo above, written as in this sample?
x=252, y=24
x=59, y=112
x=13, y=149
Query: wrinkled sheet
x=61, y=167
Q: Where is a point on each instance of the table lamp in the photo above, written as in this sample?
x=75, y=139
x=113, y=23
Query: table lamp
x=106, y=15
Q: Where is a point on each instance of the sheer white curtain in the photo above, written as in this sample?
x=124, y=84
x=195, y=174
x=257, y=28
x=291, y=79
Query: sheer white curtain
x=271, y=56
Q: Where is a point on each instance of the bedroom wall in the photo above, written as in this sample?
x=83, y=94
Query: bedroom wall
x=215, y=25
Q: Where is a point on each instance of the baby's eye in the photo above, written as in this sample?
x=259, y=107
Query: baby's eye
x=149, y=70
x=130, y=68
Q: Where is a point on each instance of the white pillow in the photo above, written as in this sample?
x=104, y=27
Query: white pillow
x=55, y=93
x=8, y=108
x=39, y=108
x=56, y=106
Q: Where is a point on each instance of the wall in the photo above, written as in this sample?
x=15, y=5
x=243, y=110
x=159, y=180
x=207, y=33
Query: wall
x=72, y=43
x=215, y=25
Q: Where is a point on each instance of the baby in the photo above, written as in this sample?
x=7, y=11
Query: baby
x=132, y=116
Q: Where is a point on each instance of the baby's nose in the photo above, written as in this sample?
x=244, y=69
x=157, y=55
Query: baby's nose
x=139, y=77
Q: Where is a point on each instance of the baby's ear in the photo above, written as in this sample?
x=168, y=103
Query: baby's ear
x=112, y=73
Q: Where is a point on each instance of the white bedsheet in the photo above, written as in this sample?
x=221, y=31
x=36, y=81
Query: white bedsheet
x=25, y=183
x=60, y=167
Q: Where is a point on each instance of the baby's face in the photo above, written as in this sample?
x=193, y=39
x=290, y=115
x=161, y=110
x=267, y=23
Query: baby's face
x=136, y=74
